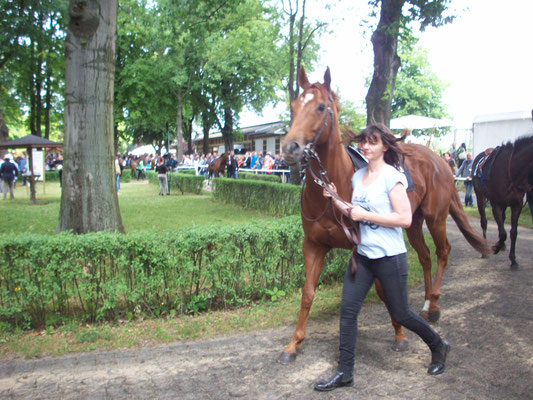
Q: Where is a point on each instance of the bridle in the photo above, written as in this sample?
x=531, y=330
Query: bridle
x=320, y=177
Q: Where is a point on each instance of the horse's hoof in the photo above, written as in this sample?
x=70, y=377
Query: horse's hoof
x=496, y=249
x=514, y=266
x=400, y=345
x=424, y=314
x=433, y=316
x=484, y=256
x=286, y=358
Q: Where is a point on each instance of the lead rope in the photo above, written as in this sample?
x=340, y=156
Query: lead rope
x=351, y=228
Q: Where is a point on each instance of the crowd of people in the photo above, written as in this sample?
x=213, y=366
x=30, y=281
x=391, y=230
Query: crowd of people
x=461, y=163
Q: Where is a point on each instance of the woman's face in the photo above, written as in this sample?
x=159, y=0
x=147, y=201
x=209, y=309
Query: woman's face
x=373, y=148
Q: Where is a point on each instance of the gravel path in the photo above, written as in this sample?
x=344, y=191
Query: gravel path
x=486, y=316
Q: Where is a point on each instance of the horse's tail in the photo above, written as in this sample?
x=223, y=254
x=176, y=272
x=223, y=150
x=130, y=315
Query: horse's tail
x=459, y=216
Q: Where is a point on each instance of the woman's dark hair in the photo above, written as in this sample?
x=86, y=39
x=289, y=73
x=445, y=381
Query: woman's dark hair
x=393, y=155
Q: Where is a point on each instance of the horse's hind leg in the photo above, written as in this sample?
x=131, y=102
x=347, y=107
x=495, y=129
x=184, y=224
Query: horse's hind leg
x=515, y=214
x=499, y=216
x=400, y=340
x=314, y=260
x=416, y=238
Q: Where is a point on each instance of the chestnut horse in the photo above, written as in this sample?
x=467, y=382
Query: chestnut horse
x=315, y=123
x=504, y=185
x=217, y=167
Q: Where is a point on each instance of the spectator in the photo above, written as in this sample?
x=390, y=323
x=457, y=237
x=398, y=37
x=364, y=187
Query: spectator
x=140, y=169
x=22, y=167
x=461, y=155
x=161, y=170
x=118, y=172
x=451, y=162
x=465, y=171
x=232, y=165
x=8, y=172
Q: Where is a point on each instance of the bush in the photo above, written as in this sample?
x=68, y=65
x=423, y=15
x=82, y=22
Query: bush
x=267, y=197
x=179, y=181
x=104, y=276
x=260, y=177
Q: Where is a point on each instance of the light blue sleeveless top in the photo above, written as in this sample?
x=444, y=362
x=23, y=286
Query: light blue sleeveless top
x=378, y=241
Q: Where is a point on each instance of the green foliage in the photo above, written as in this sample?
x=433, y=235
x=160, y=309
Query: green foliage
x=267, y=197
x=260, y=177
x=418, y=89
x=104, y=276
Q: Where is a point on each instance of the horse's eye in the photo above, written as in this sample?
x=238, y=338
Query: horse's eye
x=321, y=107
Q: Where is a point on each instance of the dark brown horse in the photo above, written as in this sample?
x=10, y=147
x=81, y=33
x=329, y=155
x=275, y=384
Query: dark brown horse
x=217, y=167
x=504, y=185
x=315, y=123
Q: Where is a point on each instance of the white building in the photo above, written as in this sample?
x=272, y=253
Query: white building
x=492, y=130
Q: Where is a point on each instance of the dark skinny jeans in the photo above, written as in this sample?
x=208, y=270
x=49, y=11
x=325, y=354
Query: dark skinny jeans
x=392, y=274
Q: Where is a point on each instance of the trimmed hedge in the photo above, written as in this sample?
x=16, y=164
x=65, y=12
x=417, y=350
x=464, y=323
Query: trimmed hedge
x=258, y=195
x=260, y=177
x=104, y=276
x=179, y=181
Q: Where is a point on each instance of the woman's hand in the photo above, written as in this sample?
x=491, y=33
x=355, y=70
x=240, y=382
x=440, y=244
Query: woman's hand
x=358, y=213
x=331, y=187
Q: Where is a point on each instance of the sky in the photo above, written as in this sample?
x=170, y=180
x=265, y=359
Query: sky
x=486, y=56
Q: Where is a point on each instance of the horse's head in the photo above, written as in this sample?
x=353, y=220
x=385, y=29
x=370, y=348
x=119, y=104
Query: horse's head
x=313, y=112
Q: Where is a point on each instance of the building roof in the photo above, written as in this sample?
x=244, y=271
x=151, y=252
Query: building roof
x=29, y=141
x=271, y=128
x=506, y=116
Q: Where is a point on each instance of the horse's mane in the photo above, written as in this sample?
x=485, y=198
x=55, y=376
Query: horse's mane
x=521, y=141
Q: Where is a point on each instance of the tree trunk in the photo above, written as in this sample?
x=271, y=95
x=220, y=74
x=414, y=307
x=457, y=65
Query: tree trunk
x=227, y=130
x=386, y=62
x=179, y=127
x=206, y=127
x=189, y=135
x=48, y=105
x=89, y=200
x=4, y=133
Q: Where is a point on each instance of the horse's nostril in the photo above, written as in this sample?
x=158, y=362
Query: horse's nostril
x=292, y=147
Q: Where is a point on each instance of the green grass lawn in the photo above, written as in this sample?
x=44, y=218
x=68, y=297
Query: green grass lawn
x=141, y=207
x=524, y=219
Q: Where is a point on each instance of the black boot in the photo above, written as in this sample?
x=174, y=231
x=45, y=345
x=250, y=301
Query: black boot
x=337, y=380
x=438, y=358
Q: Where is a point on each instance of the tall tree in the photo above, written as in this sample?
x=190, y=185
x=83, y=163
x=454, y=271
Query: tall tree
x=385, y=45
x=418, y=89
x=89, y=201
x=242, y=63
x=300, y=48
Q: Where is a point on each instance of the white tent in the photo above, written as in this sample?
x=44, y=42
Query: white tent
x=141, y=150
x=418, y=122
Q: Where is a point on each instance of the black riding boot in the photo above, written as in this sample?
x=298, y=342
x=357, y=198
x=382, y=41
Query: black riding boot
x=438, y=358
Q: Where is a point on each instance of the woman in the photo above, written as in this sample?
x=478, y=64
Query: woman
x=381, y=205
x=161, y=170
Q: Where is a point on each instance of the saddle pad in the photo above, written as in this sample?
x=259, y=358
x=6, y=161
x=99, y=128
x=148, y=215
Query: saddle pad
x=359, y=161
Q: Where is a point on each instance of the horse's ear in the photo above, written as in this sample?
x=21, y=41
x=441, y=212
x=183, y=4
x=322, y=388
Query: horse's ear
x=303, y=82
x=327, y=79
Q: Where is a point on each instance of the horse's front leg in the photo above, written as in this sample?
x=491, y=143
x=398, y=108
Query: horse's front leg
x=314, y=260
x=499, y=216
x=515, y=214
x=437, y=229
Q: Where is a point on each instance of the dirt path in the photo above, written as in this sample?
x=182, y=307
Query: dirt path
x=486, y=316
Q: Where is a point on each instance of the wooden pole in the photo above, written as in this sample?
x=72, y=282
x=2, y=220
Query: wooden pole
x=32, y=181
